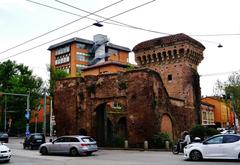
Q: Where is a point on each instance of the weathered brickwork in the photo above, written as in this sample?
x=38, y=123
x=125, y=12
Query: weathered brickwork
x=162, y=96
x=141, y=94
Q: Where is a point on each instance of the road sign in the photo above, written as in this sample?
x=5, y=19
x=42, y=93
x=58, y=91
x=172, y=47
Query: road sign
x=27, y=133
x=27, y=115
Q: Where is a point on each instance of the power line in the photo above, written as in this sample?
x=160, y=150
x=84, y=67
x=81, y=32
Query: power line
x=69, y=23
x=118, y=23
x=220, y=73
x=215, y=35
x=134, y=8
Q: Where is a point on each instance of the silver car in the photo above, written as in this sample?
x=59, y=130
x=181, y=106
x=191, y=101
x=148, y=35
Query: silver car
x=73, y=145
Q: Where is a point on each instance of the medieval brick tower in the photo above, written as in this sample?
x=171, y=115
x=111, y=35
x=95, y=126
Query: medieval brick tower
x=176, y=58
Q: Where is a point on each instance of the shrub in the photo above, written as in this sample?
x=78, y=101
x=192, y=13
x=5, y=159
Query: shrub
x=158, y=140
x=198, y=131
x=202, y=132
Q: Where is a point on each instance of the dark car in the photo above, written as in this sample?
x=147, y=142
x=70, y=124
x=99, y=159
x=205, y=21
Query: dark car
x=3, y=137
x=34, y=140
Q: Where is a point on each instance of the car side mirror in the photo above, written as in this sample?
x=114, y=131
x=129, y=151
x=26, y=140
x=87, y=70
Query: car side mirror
x=205, y=143
x=50, y=140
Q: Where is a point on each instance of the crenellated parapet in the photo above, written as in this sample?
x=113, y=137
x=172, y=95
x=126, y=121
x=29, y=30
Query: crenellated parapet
x=169, y=49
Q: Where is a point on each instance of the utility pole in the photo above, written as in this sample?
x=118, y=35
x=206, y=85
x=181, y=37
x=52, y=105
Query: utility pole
x=5, y=114
x=51, y=118
x=234, y=113
x=44, y=111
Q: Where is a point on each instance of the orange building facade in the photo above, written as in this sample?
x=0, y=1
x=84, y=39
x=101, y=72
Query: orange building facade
x=77, y=55
x=223, y=115
x=207, y=114
x=38, y=114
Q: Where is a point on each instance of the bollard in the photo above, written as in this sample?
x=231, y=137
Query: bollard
x=145, y=145
x=126, y=144
x=167, y=145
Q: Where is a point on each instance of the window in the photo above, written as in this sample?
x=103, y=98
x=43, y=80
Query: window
x=169, y=77
x=79, y=67
x=215, y=140
x=116, y=105
x=83, y=57
x=60, y=140
x=62, y=50
x=62, y=59
x=204, y=115
x=112, y=51
x=83, y=46
x=87, y=139
x=231, y=138
x=74, y=140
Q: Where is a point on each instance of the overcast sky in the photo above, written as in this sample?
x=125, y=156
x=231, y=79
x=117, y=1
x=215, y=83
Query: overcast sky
x=21, y=20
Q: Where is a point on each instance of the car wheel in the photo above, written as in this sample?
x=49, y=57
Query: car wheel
x=44, y=151
x=239, y=156
x=6, y=161
x=175, y=149
x=195, y=155
x=73, y=152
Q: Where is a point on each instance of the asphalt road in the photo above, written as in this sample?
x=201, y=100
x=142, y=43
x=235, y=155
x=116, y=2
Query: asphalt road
x=103, y=157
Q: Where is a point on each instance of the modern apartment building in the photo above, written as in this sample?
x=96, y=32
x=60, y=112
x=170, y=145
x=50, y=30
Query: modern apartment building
x=76, y=54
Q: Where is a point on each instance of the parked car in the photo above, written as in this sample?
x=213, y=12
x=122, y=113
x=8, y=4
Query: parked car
x=228, y=131
x=34, y=140
x=221, y=146
x=4, y=137
x=73, y=145
x=5, y=153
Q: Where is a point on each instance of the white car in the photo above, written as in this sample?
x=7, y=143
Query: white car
x=72, y=145
x=222, y=146
x=5, y=153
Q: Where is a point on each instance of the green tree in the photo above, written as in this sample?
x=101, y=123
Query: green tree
x=18, y=79
x=231, y=90
x=55, y=74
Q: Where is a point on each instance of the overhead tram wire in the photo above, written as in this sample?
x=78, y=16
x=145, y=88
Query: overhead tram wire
x=69, y=23
x=68, y=12
x=118, y=23
x=51, y=7
x=134, y=8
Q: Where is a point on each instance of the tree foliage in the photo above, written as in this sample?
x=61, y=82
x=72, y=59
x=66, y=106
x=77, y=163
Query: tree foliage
x=18, y=79
x=231, y=90
x=55, y=74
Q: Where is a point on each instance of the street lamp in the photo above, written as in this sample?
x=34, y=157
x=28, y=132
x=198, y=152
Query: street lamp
x=219, y=45
x=98, y=24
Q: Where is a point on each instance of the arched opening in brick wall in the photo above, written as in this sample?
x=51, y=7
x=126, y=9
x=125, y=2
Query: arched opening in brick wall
x=121, y=128
x=101, y=123
x=166, y=125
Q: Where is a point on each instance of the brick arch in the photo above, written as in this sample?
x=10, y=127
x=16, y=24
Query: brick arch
x=166, y=124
